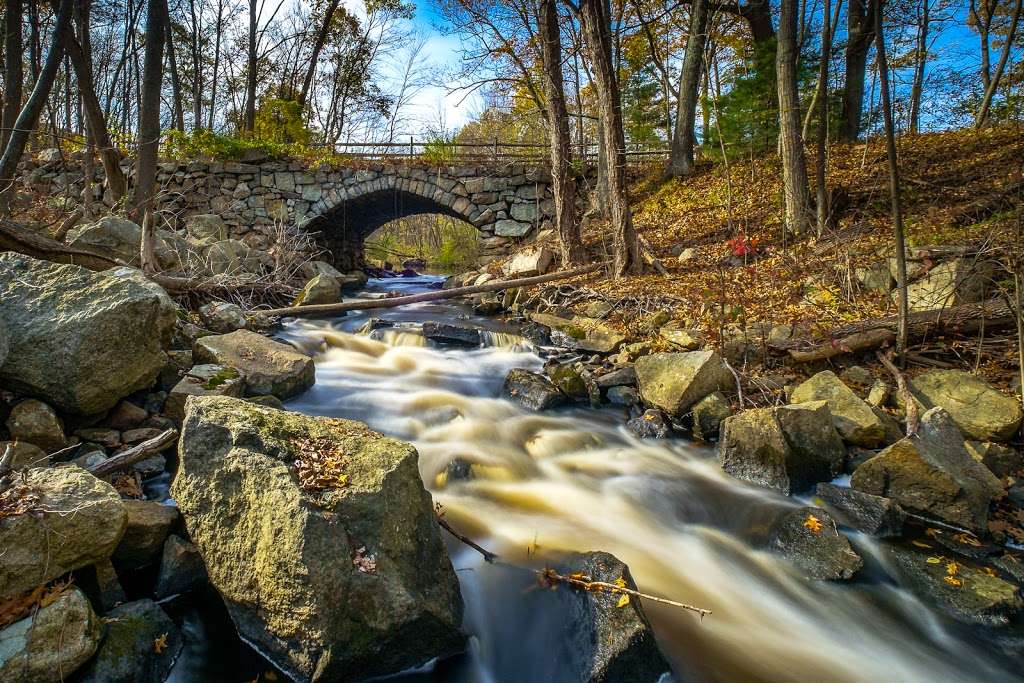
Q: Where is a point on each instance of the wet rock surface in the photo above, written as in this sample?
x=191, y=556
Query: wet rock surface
x=533, y=390
x=140, y=645
x=864, y=512
x=266, y=366
x=808, y=538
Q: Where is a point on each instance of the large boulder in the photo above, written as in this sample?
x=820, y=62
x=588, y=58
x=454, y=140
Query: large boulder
x=789, y=448
x=965, y=592
x=529, y=262
x=206, y=228
x=310, y=269
x=979, y=410
x=228, y=257
x=72, y=520
x=447, y=333
x=140, y=646
x=320, y=538
x=933, y=474
x=321, y=289
x=110, y=236
x=673, y=382
x=580, y=333
x=223, y=317
x=950, y=283
x=51, y=644
x=853, y=418
x=36, y=423
x=267, y=366
x=81, y=340
x=808, y=538
x=610, y=639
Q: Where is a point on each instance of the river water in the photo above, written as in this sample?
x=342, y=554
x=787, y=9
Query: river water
x=574, y=479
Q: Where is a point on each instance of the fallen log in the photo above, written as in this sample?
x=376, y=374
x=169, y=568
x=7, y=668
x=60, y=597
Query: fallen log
x=362, y=305
x=127, y=458
x=877, y=332
x=16, y=237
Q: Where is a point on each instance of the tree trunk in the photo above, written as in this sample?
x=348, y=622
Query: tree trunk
x=249, y=122
x=216, y=65
x=822, y=146
x=894, y=184
x=149, y=129
x=986, y=102
x=13, y=55
x=172, y=65
x=563, y=186
x=197, y=68
x=28, y=117
x=597, y=38
x=920, y=59
x=116, y=182
x=860, y=33
x=681, y=158
x=794, y=168
x=318, y=45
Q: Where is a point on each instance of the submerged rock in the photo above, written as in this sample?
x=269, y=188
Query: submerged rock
x=320, y=538
x=610, y=643
x=962, y=591
x=980, y=411
x=533, y=390
x=266, y=365
x=53, y=643
x=808, y=538
x=853, y=418
x=75, y=520
x=80, y=340
x=864, y=512
x=650, y=425
x=932, y=474
x=675, y=381
x=140, y=646
x=447, y=333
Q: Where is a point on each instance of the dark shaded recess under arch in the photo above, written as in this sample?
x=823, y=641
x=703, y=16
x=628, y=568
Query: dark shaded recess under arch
x=342, y=229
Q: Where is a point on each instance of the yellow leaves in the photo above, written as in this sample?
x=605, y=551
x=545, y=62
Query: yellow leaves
x=813, y=524
x=934, y=560
x=624, y=598
x=320, y=464
x=967, y=539
x=953, y=581
x=952, y=568
x=920, y=544
x=160, y=644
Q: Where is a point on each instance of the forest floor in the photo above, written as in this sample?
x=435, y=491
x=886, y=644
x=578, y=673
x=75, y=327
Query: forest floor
x=959, y=188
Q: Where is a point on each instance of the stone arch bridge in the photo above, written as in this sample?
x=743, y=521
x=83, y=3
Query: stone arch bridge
x=341, y=206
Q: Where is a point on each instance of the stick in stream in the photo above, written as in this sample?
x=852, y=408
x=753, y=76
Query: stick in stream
x=331, y=309
x=134, y=454
x=552, y=577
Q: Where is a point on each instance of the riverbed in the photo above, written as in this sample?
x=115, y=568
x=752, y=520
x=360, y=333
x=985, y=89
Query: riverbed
x=531, y=486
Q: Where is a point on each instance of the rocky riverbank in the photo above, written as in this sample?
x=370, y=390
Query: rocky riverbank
x=279, y=513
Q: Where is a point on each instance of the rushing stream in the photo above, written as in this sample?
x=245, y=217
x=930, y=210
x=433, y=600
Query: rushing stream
x=574, y=479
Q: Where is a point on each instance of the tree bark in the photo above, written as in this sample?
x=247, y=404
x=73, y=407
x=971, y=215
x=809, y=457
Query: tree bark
x=794, y=167
x=822, y=137
x=197, y=68
x=681, y=157
x=318, y=45
x=597, y=39
x=117, y=184
x=216, y=66
x=172, y=65
x=894, y=185
x=990, y=90
x=860, y=33
x=28, y=117
x=249, y=120
x=563, y=186
x=12, y=68
x=920, y=60
x=149, y=128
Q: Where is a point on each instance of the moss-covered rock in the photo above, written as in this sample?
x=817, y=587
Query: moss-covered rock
x=266, y=365
x=675, y=381
x=52, y=644
x=532, y=390
x=853, y=418
x=78, y=339
x=149, y=523
x=73, y=521
x=35, y=422
x=320, y=537
x=140, y=646
x=979, y=410
x=581, y=333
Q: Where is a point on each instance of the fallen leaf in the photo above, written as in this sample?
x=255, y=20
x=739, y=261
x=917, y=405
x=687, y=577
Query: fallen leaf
x=953, y=581
x=160, y=644
x=934, y=560
x=813, y=524
x=623, y=601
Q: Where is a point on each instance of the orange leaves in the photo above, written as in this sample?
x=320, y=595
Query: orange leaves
x=17, y=499
x=320, y=464
x=813, y=524
x=20, y=606
x=160, y=644
x=363, y=561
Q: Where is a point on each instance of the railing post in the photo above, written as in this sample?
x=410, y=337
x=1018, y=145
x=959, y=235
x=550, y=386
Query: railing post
x=412, y=149
x=495, y=149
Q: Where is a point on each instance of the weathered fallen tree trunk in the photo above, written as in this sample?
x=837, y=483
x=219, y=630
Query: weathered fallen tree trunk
x=125, y=459
x=16, y=237
x=362, y=305
x=876, y=332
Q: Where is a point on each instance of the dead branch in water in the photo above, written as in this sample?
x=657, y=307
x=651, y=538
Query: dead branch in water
x=551, y=576
x=362, y=305
x=124, y=459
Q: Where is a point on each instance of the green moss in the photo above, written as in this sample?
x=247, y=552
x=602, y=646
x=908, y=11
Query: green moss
x=222, y=376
